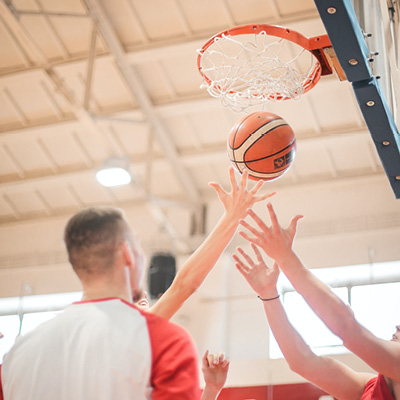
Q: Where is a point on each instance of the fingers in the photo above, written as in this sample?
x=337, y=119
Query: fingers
x=217, y=187
x=256, y=219
x=255, y=190
x=249, y=238
x=257, y=187
x=257, y=253
x=210, y=359
x=266, y=196
x=223, y=361
x=243, y=181
x=233, y=179
x=226, y=363
x=254, y=231
x=246, y=256
x=215, y=360
x=293, y=225
x=240, y=266
x=272, y=215
x=205, y=359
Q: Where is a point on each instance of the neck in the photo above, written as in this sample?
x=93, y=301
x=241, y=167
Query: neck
x=117, y=285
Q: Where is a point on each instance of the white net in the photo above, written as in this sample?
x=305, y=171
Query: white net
x=252, y=69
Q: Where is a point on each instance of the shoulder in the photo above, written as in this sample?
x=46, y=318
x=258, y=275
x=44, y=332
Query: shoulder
x=169, y=341
x=165, y=330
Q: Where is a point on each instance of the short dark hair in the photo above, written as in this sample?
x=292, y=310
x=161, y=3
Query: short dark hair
x=92, y=236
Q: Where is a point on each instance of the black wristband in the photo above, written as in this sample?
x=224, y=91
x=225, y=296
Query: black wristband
x=272, y=298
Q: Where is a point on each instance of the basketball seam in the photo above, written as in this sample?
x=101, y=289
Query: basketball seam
x=269, y=122
x=271, y=155
x=233, y=150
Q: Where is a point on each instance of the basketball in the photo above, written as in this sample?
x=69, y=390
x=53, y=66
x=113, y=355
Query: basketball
x=264, y=144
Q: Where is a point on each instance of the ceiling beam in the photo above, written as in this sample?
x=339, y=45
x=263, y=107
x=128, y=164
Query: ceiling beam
x=139, y=94
x=186, y=158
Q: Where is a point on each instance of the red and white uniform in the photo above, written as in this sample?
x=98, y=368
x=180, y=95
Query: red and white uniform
x=102, y=350
x=377, y=389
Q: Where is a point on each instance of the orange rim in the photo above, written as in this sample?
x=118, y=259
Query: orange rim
x=313, y=45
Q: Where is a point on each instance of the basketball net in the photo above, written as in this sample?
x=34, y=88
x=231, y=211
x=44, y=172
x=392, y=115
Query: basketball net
x=252, y=69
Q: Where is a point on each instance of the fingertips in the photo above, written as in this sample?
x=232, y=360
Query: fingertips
x=241, y=251
x=243, y=222
x=210, y=359
x=243, y=234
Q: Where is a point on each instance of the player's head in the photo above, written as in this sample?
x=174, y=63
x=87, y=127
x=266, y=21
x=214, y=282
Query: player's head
x=142, y=301
x=396, y=335
x=93, y=237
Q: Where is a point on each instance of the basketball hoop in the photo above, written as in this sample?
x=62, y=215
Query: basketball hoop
x=253, y=64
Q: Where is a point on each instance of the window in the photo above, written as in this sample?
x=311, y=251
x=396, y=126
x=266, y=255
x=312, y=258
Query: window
x=373, y=291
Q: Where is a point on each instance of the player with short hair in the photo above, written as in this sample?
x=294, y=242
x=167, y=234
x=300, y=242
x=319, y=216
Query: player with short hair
x=103, y=347
x=108, y=260
x=334, y=377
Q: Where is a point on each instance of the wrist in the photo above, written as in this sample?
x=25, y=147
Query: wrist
x=231, y=218
x=286, y=260
x=269, y=298
x=268, y=294
x=210, y=392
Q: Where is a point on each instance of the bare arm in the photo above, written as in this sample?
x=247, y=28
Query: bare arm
x=215, y=371
x=381, y=355
x=200, y=263
x=330, y=375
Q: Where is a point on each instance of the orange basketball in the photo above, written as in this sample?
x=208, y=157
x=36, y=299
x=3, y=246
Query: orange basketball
x=264, y=144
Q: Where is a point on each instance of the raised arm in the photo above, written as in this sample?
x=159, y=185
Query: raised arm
x=381, y=355
x=330, y=375
x=215, y=371
x=200, y=263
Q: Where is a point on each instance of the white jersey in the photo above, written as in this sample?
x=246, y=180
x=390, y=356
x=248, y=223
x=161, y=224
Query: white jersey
x=97, y=350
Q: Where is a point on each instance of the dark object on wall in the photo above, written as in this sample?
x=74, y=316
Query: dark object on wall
x=162, y=272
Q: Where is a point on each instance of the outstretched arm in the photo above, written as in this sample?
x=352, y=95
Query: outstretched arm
x=200, y=263
x=328, y=374
x=381, y=355
x=215, y=371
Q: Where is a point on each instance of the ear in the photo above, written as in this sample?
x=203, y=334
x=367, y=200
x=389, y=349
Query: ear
x=129, y=259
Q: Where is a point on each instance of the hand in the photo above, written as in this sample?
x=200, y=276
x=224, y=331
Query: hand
x=274, y=240
x=215, y=370
x=239, y=199
x=261, y=278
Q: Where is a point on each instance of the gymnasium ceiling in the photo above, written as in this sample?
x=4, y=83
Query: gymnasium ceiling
x=85, y=80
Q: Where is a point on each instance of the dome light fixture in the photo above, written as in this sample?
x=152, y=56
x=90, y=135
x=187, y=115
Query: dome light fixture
x=115, y=172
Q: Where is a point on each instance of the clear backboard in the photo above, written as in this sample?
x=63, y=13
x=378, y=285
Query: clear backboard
x=380, y=21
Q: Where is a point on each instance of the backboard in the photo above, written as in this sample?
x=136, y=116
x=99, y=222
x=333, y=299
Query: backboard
x=365, y=37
